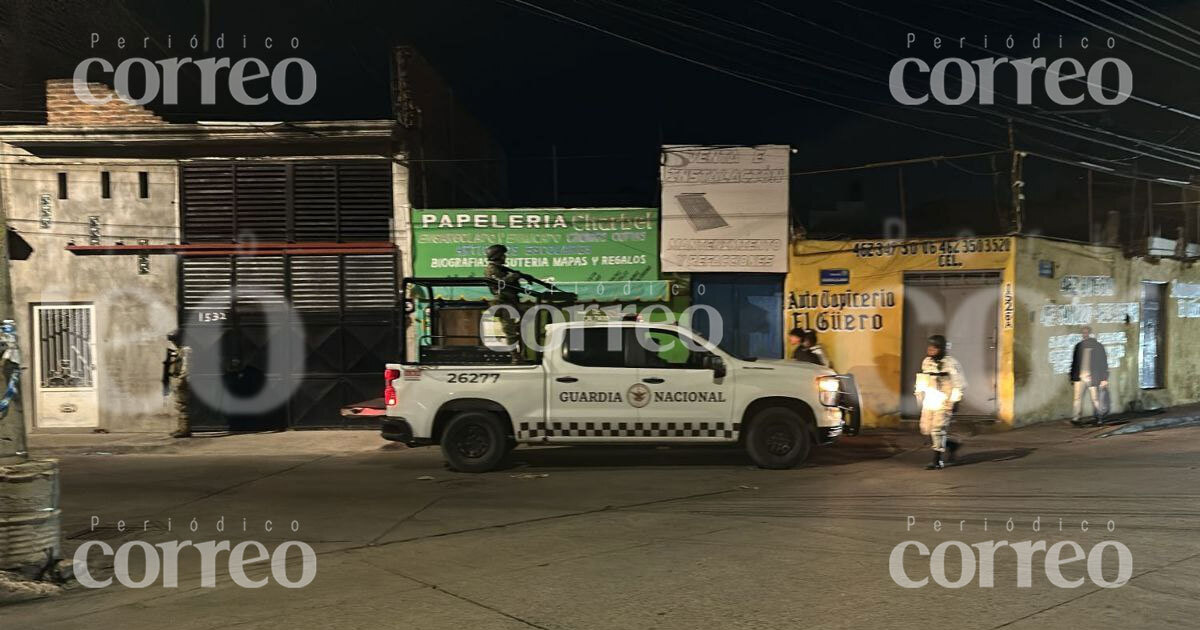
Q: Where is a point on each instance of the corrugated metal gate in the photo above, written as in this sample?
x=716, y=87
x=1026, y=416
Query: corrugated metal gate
x=311, y=332
x=964, y=307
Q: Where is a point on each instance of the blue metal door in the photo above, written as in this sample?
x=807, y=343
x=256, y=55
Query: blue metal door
x=750, y=306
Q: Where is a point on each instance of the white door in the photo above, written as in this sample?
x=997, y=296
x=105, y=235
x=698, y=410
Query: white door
x=592, y=394
x=684, y=399
x=64, y=366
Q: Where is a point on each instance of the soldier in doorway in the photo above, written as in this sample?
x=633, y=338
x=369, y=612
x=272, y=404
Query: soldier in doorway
x=939, y=388
x=506, y=289
x=175, y=381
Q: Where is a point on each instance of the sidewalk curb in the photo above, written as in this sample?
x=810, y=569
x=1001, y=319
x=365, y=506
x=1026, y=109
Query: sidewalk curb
x=1153, y=425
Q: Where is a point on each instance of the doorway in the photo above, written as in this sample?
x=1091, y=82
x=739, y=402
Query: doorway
x=749, y=312
x=964, y=307
x=1151, y=336
x=64, y=366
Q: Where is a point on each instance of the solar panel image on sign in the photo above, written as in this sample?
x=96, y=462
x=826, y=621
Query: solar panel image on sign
x=700, y=213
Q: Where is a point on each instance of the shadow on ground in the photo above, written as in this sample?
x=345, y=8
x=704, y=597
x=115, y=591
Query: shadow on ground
x=845, y=451
x=1000, y=455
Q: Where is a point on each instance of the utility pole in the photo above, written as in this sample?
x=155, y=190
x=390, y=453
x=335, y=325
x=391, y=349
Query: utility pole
x=30, y=536
x=1018, y=186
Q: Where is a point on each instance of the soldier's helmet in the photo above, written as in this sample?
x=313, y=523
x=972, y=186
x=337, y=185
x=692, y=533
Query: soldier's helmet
x=496, y=252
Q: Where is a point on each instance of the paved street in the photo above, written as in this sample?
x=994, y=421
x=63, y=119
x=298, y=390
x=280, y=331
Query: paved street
x=640, y=538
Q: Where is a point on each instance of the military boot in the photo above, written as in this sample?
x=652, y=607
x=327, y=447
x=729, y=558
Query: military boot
x=951, y=449
x=937, y=463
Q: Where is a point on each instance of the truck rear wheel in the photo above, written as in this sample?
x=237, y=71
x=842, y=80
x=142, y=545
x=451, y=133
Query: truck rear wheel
x=778, y=438
x=474, y=441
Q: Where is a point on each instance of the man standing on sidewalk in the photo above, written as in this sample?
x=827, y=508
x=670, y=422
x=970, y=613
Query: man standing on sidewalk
x=1089, y=370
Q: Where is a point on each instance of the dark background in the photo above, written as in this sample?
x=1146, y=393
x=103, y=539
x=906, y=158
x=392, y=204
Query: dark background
x=815, y=79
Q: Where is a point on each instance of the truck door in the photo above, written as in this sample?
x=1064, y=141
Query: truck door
x=684, y=399
x=589, y=388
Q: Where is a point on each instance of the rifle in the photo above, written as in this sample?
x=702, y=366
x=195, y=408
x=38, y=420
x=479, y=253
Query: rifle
x=552, y=292
x=168, y=363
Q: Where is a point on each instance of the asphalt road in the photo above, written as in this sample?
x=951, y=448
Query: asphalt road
x=635, y=539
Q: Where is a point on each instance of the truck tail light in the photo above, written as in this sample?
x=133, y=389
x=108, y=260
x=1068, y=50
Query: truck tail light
x=389, y=392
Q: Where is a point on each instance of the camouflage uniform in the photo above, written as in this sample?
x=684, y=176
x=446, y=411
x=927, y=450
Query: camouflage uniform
x=178, y=362
x=507, y=294
x=939, y=387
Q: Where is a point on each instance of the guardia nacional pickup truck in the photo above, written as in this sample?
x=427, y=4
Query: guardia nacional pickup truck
x=618, y=382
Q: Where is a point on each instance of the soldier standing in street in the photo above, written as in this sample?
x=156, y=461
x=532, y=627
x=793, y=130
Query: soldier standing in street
x=506, y=289
x=939, y=387
x=175, y=381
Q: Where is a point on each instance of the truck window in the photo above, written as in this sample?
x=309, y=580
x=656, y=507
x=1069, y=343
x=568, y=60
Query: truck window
x=665, y=349
x=595, y=346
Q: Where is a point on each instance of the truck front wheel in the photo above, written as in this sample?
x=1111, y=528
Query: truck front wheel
x=778, y=438
x=474, y=441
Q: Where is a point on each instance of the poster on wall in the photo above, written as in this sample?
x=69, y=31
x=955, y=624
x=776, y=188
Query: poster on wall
x=725, y=209
x=554, y=244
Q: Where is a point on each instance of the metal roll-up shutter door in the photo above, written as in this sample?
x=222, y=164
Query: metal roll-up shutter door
x=208, y=204
x=342, y=310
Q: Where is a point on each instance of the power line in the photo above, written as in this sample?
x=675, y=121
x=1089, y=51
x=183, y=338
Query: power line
x=1175, y=152
x=1152, y=22
x=1132, y=97
x=932, y=158
x=738, y=75
x=1125, y=37
x=1163, y=16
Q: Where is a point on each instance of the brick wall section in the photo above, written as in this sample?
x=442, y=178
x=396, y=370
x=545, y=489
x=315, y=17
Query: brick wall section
x=64, y=108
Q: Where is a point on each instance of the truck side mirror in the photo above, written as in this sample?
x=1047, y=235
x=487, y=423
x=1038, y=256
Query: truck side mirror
x=716, y=364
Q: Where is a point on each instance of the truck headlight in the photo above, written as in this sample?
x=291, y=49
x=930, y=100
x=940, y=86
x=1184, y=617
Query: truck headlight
x=829, y=386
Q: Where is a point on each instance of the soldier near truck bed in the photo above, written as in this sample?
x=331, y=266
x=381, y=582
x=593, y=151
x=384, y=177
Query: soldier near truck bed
x=506, y=289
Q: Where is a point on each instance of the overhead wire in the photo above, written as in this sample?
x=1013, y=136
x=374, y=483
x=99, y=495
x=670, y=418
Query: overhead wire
x=541, y=10
x=1053, y=129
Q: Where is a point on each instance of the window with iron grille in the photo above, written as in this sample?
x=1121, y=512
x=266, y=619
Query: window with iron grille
x=65, y=346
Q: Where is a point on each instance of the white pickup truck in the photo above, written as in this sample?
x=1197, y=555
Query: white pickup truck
x=619, y=382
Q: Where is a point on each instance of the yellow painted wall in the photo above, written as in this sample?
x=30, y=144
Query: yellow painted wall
x=860, y=324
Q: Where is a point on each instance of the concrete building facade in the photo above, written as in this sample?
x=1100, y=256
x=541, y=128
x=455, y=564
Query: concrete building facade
x=1012, y=307
x=248, y=237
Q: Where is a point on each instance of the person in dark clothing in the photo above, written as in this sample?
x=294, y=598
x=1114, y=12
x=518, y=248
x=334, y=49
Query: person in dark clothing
x=797, y=337
x=814, y=347
x=1089, y=371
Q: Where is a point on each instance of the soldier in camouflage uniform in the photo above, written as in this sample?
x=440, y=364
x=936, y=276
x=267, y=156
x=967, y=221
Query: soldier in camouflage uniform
x=939, y=388
x=175, y=382
x=507, y=292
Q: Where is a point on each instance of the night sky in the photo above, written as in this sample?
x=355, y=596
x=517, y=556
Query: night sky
x=813, y=76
